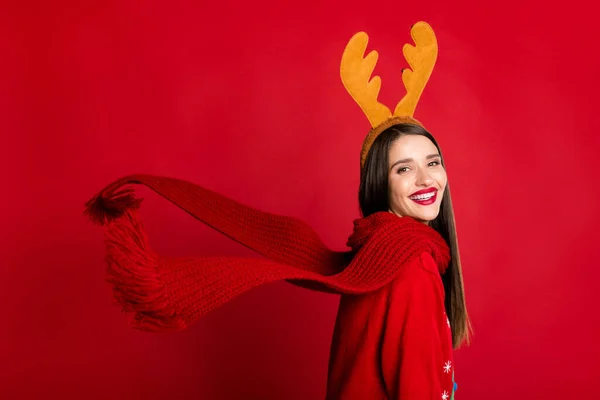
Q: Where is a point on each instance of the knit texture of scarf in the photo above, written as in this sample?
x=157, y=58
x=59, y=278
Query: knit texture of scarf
x=164, y=294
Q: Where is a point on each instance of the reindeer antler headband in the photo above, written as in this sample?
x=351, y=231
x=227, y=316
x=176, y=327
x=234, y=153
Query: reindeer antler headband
x=356, y=71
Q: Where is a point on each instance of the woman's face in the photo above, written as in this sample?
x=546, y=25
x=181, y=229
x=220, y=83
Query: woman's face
x=416, y=178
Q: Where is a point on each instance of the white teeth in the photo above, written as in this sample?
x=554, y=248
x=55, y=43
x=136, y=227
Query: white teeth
x=422, y=196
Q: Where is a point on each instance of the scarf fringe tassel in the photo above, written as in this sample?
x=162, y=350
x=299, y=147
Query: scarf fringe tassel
x=133, y=268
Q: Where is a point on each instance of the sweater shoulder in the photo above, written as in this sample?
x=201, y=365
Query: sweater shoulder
x=420, y=270
x=427, y=263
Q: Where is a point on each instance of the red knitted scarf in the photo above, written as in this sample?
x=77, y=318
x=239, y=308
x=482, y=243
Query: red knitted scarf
x=171, y=293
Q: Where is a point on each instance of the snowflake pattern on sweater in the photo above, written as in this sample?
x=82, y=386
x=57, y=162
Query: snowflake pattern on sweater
x=448, y=366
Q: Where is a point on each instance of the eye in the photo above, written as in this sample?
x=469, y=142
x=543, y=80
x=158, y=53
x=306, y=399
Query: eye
x=434, y=163
x=402, y=169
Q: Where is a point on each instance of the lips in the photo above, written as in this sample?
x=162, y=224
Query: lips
x=424, y=197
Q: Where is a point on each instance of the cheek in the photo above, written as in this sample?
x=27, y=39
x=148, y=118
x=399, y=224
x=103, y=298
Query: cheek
x=440, y=177
x=399, y=188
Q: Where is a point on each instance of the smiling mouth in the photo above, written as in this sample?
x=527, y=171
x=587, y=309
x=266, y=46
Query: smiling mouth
x=424, y=199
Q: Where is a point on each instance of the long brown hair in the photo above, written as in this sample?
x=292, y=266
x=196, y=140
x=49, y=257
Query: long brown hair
x=373, y=197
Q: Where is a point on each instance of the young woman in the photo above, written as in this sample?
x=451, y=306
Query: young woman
x=402, y=309
x=397, y=342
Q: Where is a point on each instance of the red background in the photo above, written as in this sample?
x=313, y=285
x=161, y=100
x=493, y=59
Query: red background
x=245, y=98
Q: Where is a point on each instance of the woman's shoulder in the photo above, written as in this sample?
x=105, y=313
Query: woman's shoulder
x=421, y=270
x=427, y=263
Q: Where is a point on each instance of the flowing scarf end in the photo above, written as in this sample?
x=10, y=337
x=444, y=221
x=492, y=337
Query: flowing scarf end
x=108, y=206
x=135, y=273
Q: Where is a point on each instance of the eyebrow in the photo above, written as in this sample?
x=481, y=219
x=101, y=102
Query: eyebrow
x=406, y=160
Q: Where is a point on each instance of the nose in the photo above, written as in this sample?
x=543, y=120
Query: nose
x=423, y=178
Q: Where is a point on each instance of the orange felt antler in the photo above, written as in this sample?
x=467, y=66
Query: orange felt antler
x=421, y=59
x=356, y=71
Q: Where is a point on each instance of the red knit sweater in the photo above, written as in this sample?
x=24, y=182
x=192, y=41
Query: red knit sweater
x=394, y=343
x=392, y=338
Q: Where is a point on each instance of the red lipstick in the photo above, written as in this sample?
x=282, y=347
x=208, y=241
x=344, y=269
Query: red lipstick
x=424, y=197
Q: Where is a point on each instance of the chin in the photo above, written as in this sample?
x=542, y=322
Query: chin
x=425, y=221
x=427, y=217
